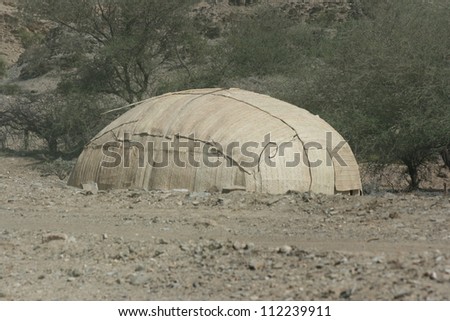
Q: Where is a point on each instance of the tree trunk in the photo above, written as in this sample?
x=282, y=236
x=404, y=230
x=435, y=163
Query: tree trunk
x=413, y=174
x=26, y=140
x=445, y=153
x=2, y=140
x=52, y=146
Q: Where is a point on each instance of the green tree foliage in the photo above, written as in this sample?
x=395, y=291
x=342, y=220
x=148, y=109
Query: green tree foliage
x=65, y=123
x=270, y=42
x=386, y=82
x=260, y=44
x=131, y=40
x=382, y=77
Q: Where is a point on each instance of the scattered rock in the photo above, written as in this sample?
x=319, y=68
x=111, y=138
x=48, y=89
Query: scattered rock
x=36, y=185
x=230, y=189
x=346, y=294
x=285, y=249
x=389, y=196
x=139, y=268
x=394, y=215
x=249, y=246
x=46, y=238
x=214, y=245
x=138, y=279
x=197, y=284
x=163, y=242
x=158, y=253
x=274, y=200
x=134, y=195
x=402, y=294
x=223, y=201
x=205, y=223
x=432, y=275
x=194, y=195
x=76, y=273
x=184, y=247
x=308, y=196
x=378, y=259
x=256, y=264
x=90, y=188
x=238, y=246
x=213, y=190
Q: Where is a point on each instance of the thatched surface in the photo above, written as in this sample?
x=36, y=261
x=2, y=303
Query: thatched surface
x=222, y=116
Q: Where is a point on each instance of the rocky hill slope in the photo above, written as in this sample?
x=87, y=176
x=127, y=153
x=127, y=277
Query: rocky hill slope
x=10, y=45
x=14, y=31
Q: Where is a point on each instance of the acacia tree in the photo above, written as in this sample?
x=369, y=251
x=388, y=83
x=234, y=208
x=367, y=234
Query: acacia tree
x=65, y=123
x=130, y=40
x=386, y=82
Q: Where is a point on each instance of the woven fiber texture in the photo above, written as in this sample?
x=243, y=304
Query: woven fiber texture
x=216, y=139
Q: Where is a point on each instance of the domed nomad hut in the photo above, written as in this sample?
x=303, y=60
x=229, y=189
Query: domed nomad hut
x=219, y=139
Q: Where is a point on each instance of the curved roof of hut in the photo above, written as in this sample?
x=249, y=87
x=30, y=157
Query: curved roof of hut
x=236, y=138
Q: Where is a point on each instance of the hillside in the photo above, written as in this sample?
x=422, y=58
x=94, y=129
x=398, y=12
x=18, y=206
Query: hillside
x=216, y=11
x=10, y=45
x=29, y=70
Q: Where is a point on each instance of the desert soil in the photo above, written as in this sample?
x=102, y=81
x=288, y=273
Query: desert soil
x=62, y=243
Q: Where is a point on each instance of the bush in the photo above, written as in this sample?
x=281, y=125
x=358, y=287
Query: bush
x=65, y=123
x=28, y=38
x=9, y=89
x=35, y=62
x=260, y=44
x=58, y=167
x=384, y=83
x=132, y=40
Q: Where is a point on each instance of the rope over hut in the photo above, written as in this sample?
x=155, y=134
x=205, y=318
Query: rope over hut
x=217, y=139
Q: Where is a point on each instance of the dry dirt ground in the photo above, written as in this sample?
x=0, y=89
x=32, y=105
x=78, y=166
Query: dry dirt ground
x=61, y=243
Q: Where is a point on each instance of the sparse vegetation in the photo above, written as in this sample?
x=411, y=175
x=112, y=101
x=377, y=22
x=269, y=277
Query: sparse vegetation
x=29, y=38
x=58, y=167
x=9, y=89
x=64, y=123
x=261, y=44
x=377, y=72
x=384, y=83
x=132, y=40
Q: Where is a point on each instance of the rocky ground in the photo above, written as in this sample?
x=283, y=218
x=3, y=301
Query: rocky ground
x=10, y=46
x=62, y=243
